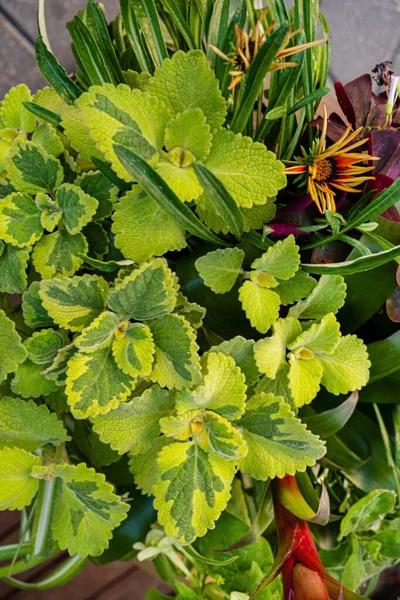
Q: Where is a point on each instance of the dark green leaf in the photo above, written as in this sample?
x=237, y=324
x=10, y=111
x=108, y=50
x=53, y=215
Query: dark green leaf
x=223, y=202
x=55, y=74
x=331, y=421
x=147, y=19
x=157, y=188
x=98, y=28
x=253, y=81
x=133, y=35
x=45, y=114
x=89, y=52
x=217, y=28
x=385, y=200
x=385, y=357
x=109, y=173
x=313, y=97
x=107, y=267
x=173, y=9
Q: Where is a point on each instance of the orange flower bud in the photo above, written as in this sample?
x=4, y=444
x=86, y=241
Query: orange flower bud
x=307, y=584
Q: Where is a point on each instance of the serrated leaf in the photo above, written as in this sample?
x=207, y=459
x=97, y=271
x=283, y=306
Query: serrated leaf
x=190, y=132
x=182, y=427
x=95, y=384
x=134, y=352
x=221, y=437
x=192, y=489
x=134, y=426
x=50, y=212
x=130, y=118
x=347, y=368
x=78, y=208
x=220, y=268
x=59, y=253
x=304, y=379
x=12, y=352
x=74, y=302
x=147, y=293
x=242, y=352
x=46, y=136
x=13, y=265
x=270, y=353
x=35, y=315
x=298, y=287
x=29, y=426
x=13, y=112
x=256, y=216
x=87, y=510
x=20, y=220
x=98, y=186
x=249, y=172
x=327, y=296
x=223, y=390
x=31, y=169
x=77, y=132
x=179, y=176
x=176, y=358
x=281, y=260
x=191, y=311
x=17, y=486
x=322, y=337
x=29, y=381
x=278, y=442
x=278, y=386
x=368, y=513
x=144, y=466
x=260, y=304
x=98, y=334
x=187, y=81
x=43, y=346
x=143, y=229
x=57, y=370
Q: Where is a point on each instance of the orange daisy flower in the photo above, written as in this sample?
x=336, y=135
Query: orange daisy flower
x=247, y=47
x=334, y=168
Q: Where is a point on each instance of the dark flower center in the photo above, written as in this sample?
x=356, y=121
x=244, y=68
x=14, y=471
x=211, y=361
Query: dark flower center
x=323, y=169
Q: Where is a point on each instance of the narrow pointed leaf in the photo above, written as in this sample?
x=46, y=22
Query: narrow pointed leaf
x=55, y=74
x=362, y=263
x=223, y=202
x=98, y=28
x=88, y=52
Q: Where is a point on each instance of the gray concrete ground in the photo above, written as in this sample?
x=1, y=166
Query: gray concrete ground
x=363, y=32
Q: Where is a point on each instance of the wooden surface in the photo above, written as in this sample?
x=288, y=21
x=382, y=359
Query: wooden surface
x=116, y=581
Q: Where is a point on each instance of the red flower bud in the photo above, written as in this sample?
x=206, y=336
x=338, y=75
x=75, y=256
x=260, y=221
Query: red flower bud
x=307, y=584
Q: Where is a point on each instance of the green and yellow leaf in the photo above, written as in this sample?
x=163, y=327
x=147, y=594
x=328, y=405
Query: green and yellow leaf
x=20, y=220
x=242, y=352
x=43, y=346
x=13, y=112
x=35, y=315
x=134, y=426
x=29, y=381
x=59, y=253
x=31, y=169
x=278, y=442
x=98, y=186
x=298, y=287
x=50, y=212
x=74, y=302
x=86, y=512
x=12, y=351
x=95, y=384
x=320, y=338
x=144, y=467
x=99, y=334
x=305, y=376
x=46, y=136
x=176, y=362
x=13, y=266
x=134, y=350
x=148, y=293
x=77, y=207
x=189, y=132
x=192, y=489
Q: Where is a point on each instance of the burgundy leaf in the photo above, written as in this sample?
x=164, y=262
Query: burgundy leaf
x=345, y=103
x=359, y=93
